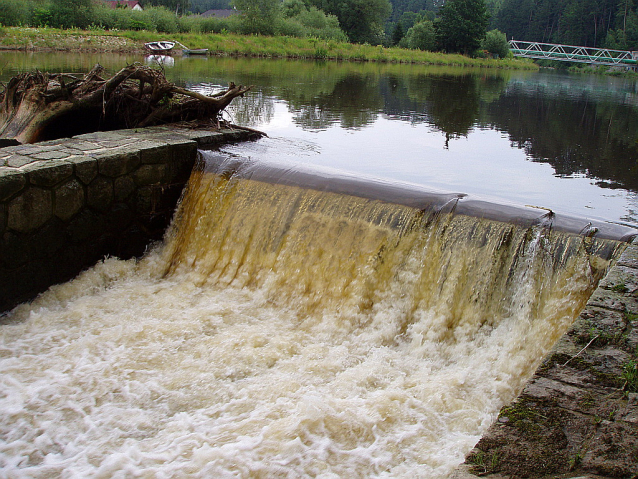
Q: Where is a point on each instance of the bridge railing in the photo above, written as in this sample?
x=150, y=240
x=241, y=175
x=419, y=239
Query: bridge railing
x=570, y=53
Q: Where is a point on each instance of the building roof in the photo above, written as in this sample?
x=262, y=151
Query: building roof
x=124, y=3
x=219, y=13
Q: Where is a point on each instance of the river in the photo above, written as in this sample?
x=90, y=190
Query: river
x=280, y=331
x=548, y=139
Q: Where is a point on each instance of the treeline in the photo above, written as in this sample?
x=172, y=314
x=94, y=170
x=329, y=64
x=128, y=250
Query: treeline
x=590, y=23
x=293, y=18
x=466, y=26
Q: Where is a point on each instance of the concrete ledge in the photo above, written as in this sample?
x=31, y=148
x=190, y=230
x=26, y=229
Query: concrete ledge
x=578, y=415
x=64, y=204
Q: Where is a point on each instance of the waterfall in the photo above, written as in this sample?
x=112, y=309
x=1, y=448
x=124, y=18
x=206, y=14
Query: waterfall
x=282, y=330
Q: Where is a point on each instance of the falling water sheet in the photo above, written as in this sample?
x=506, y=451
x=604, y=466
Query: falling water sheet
x=281, y=331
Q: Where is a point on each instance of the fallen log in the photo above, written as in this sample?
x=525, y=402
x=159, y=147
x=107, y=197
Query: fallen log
x=39, y=106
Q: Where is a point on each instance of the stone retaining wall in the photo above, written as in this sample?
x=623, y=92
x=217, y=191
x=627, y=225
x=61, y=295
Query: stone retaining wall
x=578, y=416
x=64, y=204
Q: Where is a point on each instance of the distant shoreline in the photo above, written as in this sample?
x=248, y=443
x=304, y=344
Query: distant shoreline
x=50, y=40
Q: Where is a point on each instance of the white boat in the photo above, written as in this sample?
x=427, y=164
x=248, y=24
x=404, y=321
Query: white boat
x=195, y=51
x=160, y=47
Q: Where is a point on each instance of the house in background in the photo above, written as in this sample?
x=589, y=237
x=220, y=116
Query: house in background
x=219, y=13
x=132, y=4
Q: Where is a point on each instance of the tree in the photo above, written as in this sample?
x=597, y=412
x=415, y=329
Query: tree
x=177, y=6
x=361, y=20
x=461, y=25
x=496, y=43
x=258, y=16
x=421, y=36
x=72, y=13
x=625, y=35
x=397, y=33
x=200, y=6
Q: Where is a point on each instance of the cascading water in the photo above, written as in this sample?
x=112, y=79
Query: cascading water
x=282, y=331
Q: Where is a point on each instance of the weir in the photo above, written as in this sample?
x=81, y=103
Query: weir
x=295, y=324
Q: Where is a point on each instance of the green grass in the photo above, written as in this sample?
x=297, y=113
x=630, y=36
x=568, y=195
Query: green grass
x=630, y=374
x=241, y=45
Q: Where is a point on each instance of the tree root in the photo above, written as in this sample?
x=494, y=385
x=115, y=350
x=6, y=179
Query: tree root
x=38, y=106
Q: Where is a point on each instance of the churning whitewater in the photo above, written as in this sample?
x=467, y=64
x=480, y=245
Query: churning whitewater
x=286, y=332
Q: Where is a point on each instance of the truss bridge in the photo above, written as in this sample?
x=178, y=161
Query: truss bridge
x=570, y=53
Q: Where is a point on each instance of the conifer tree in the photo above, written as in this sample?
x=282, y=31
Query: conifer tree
x=461, y=25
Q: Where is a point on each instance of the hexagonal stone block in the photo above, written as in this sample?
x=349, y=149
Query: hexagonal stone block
x=48, y=173
x=11, y=182
x=100, y=193
x=69, y=199
x=30, y=210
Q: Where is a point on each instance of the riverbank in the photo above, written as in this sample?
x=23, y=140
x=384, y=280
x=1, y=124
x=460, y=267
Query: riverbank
x=50, y=39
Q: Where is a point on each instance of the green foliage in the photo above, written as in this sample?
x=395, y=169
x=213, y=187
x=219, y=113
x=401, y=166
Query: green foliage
x=299, y=20
x=571, y=22
x=72, y=13
x=421, y=37
x=200, y=6
x=258, y=16
x=495, y=42
x=175, y=6
x=630, y=374
x=625, y=35
x=361, y=20
x=461, y=26
x=162, y=20
x=401, y=7
x=13, y=14
x=292, y=8
x=482, y=463
x=41, y=16
x=213, y=25
x=156, y=19
x=397, y=33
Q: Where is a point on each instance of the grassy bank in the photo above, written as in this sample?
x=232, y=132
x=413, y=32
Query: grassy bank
x=236, y=45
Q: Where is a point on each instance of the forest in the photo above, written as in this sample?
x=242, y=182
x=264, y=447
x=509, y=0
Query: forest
x=417, y=24
x=590, y=23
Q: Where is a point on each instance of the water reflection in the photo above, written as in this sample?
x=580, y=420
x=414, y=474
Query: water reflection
x=577, y=135
x=582, y=126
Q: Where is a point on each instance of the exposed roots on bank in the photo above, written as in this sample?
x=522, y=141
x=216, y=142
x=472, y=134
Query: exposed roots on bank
x=38, y=106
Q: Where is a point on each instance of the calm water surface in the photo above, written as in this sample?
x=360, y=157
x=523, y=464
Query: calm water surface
x=547, y=139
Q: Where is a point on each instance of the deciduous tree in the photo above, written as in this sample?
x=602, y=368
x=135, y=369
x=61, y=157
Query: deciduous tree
x=178, y=6
x=421, y=36
x=361, y=20
x=258, y=16
x=495, y=42
x=72, y=13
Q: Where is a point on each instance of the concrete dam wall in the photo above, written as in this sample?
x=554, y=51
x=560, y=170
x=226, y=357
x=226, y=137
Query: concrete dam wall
x=64, y=204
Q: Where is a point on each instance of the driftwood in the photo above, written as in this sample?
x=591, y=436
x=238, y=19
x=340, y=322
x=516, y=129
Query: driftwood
x=38, y=106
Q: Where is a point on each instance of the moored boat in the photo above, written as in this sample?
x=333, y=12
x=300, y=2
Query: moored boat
x=195, y=51
x=160, y=46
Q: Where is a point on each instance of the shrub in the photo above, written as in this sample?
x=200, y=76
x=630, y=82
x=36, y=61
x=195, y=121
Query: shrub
x=495, y=42
x=41, y=16
x=162, y=19
x=72, y=13
x=420, y=37
x=13, y=14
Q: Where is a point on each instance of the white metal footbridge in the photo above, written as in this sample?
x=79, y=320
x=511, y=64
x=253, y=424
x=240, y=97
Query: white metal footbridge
x=570, y=53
